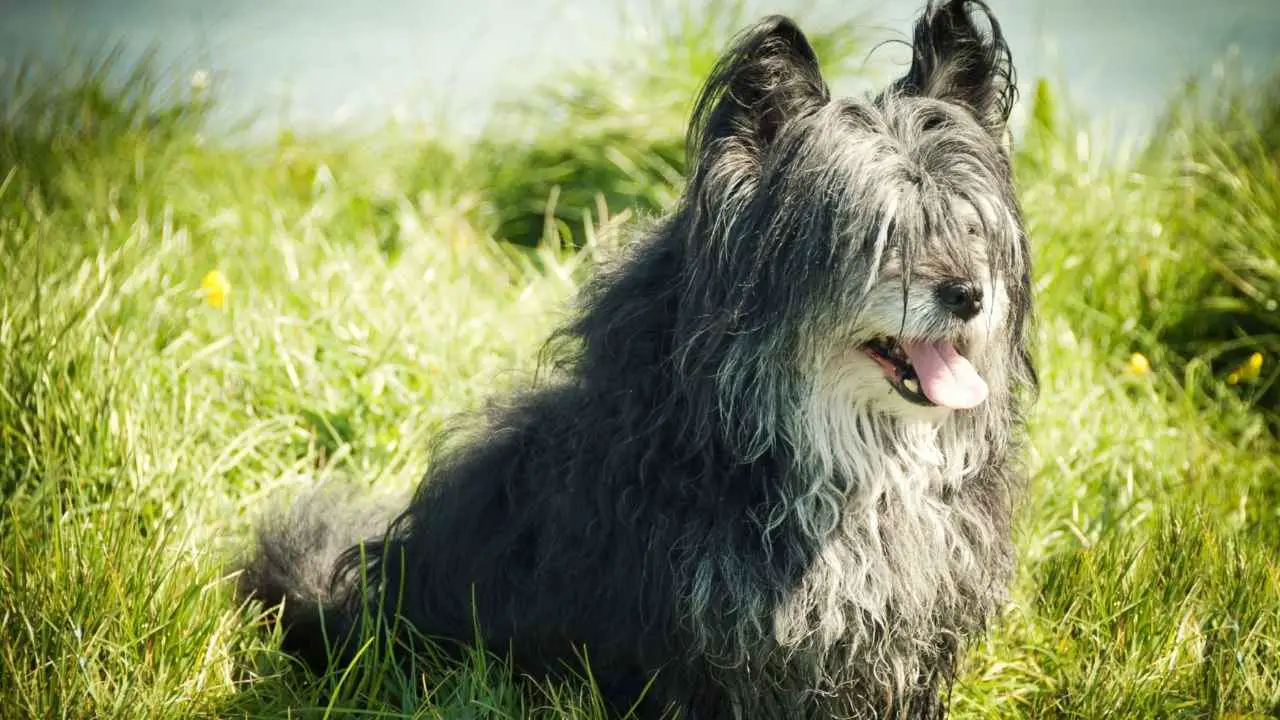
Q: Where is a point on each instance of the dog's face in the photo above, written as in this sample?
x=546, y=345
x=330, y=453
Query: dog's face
x=877, y=238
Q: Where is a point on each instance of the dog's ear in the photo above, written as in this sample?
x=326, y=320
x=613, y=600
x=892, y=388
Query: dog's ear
x=960, y=55
x=769, y=76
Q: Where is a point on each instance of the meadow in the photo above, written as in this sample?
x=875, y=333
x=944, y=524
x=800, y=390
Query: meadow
x=193, y=327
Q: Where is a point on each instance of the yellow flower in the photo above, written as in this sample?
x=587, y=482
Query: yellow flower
x=1249, y=370
x=215, y=288
x=1138, y=364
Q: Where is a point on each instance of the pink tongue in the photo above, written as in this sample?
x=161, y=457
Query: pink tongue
x=945, y=376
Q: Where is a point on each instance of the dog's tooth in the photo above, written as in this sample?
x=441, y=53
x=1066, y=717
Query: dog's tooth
x=911, y=384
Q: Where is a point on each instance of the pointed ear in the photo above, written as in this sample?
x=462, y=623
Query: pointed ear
x=960, y=55
x=769, y=76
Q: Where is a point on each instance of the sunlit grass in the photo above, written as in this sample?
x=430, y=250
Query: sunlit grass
x=190, y=328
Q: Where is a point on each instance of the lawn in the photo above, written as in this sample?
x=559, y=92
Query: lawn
x=193, y=327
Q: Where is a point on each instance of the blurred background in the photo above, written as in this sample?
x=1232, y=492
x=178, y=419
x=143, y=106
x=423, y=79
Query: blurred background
x=321, y=63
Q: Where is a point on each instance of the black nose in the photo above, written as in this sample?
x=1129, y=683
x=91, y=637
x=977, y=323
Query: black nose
x=960, y=297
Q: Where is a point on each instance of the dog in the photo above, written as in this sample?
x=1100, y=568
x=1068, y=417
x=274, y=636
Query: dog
x=774, y=472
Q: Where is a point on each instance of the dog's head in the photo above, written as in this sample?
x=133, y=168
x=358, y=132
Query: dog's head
x=876, y=241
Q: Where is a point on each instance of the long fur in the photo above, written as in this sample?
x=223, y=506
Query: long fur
x=718, y=493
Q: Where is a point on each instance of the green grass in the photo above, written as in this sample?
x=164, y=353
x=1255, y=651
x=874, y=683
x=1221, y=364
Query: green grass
x=142, y=429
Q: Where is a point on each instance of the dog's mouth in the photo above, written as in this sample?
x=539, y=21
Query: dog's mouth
x=928, y=373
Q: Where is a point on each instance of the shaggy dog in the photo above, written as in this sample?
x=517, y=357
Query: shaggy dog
x=773, y=475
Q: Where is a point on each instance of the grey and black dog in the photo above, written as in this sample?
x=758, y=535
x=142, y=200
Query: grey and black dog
x=774, y=474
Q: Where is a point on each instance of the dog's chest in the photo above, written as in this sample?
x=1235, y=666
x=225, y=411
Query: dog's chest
x=914, y=553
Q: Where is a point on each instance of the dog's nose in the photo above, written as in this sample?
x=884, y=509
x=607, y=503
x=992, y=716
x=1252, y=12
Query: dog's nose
x=960, y=297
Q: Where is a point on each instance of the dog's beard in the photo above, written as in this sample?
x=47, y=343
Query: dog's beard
x=851, y=415
x=861, y=445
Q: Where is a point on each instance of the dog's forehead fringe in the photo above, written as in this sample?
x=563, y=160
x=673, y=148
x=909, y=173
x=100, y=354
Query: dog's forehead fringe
x=932, y=135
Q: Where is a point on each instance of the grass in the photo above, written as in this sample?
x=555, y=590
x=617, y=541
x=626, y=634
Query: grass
x=142, y=428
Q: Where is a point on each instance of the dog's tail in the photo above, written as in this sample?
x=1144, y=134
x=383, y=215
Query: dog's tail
x=296, y=566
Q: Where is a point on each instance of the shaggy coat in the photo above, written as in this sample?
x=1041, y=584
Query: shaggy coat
x=717, y=498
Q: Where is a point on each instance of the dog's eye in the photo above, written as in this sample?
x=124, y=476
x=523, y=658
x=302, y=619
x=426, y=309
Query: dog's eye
x=972, y=228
